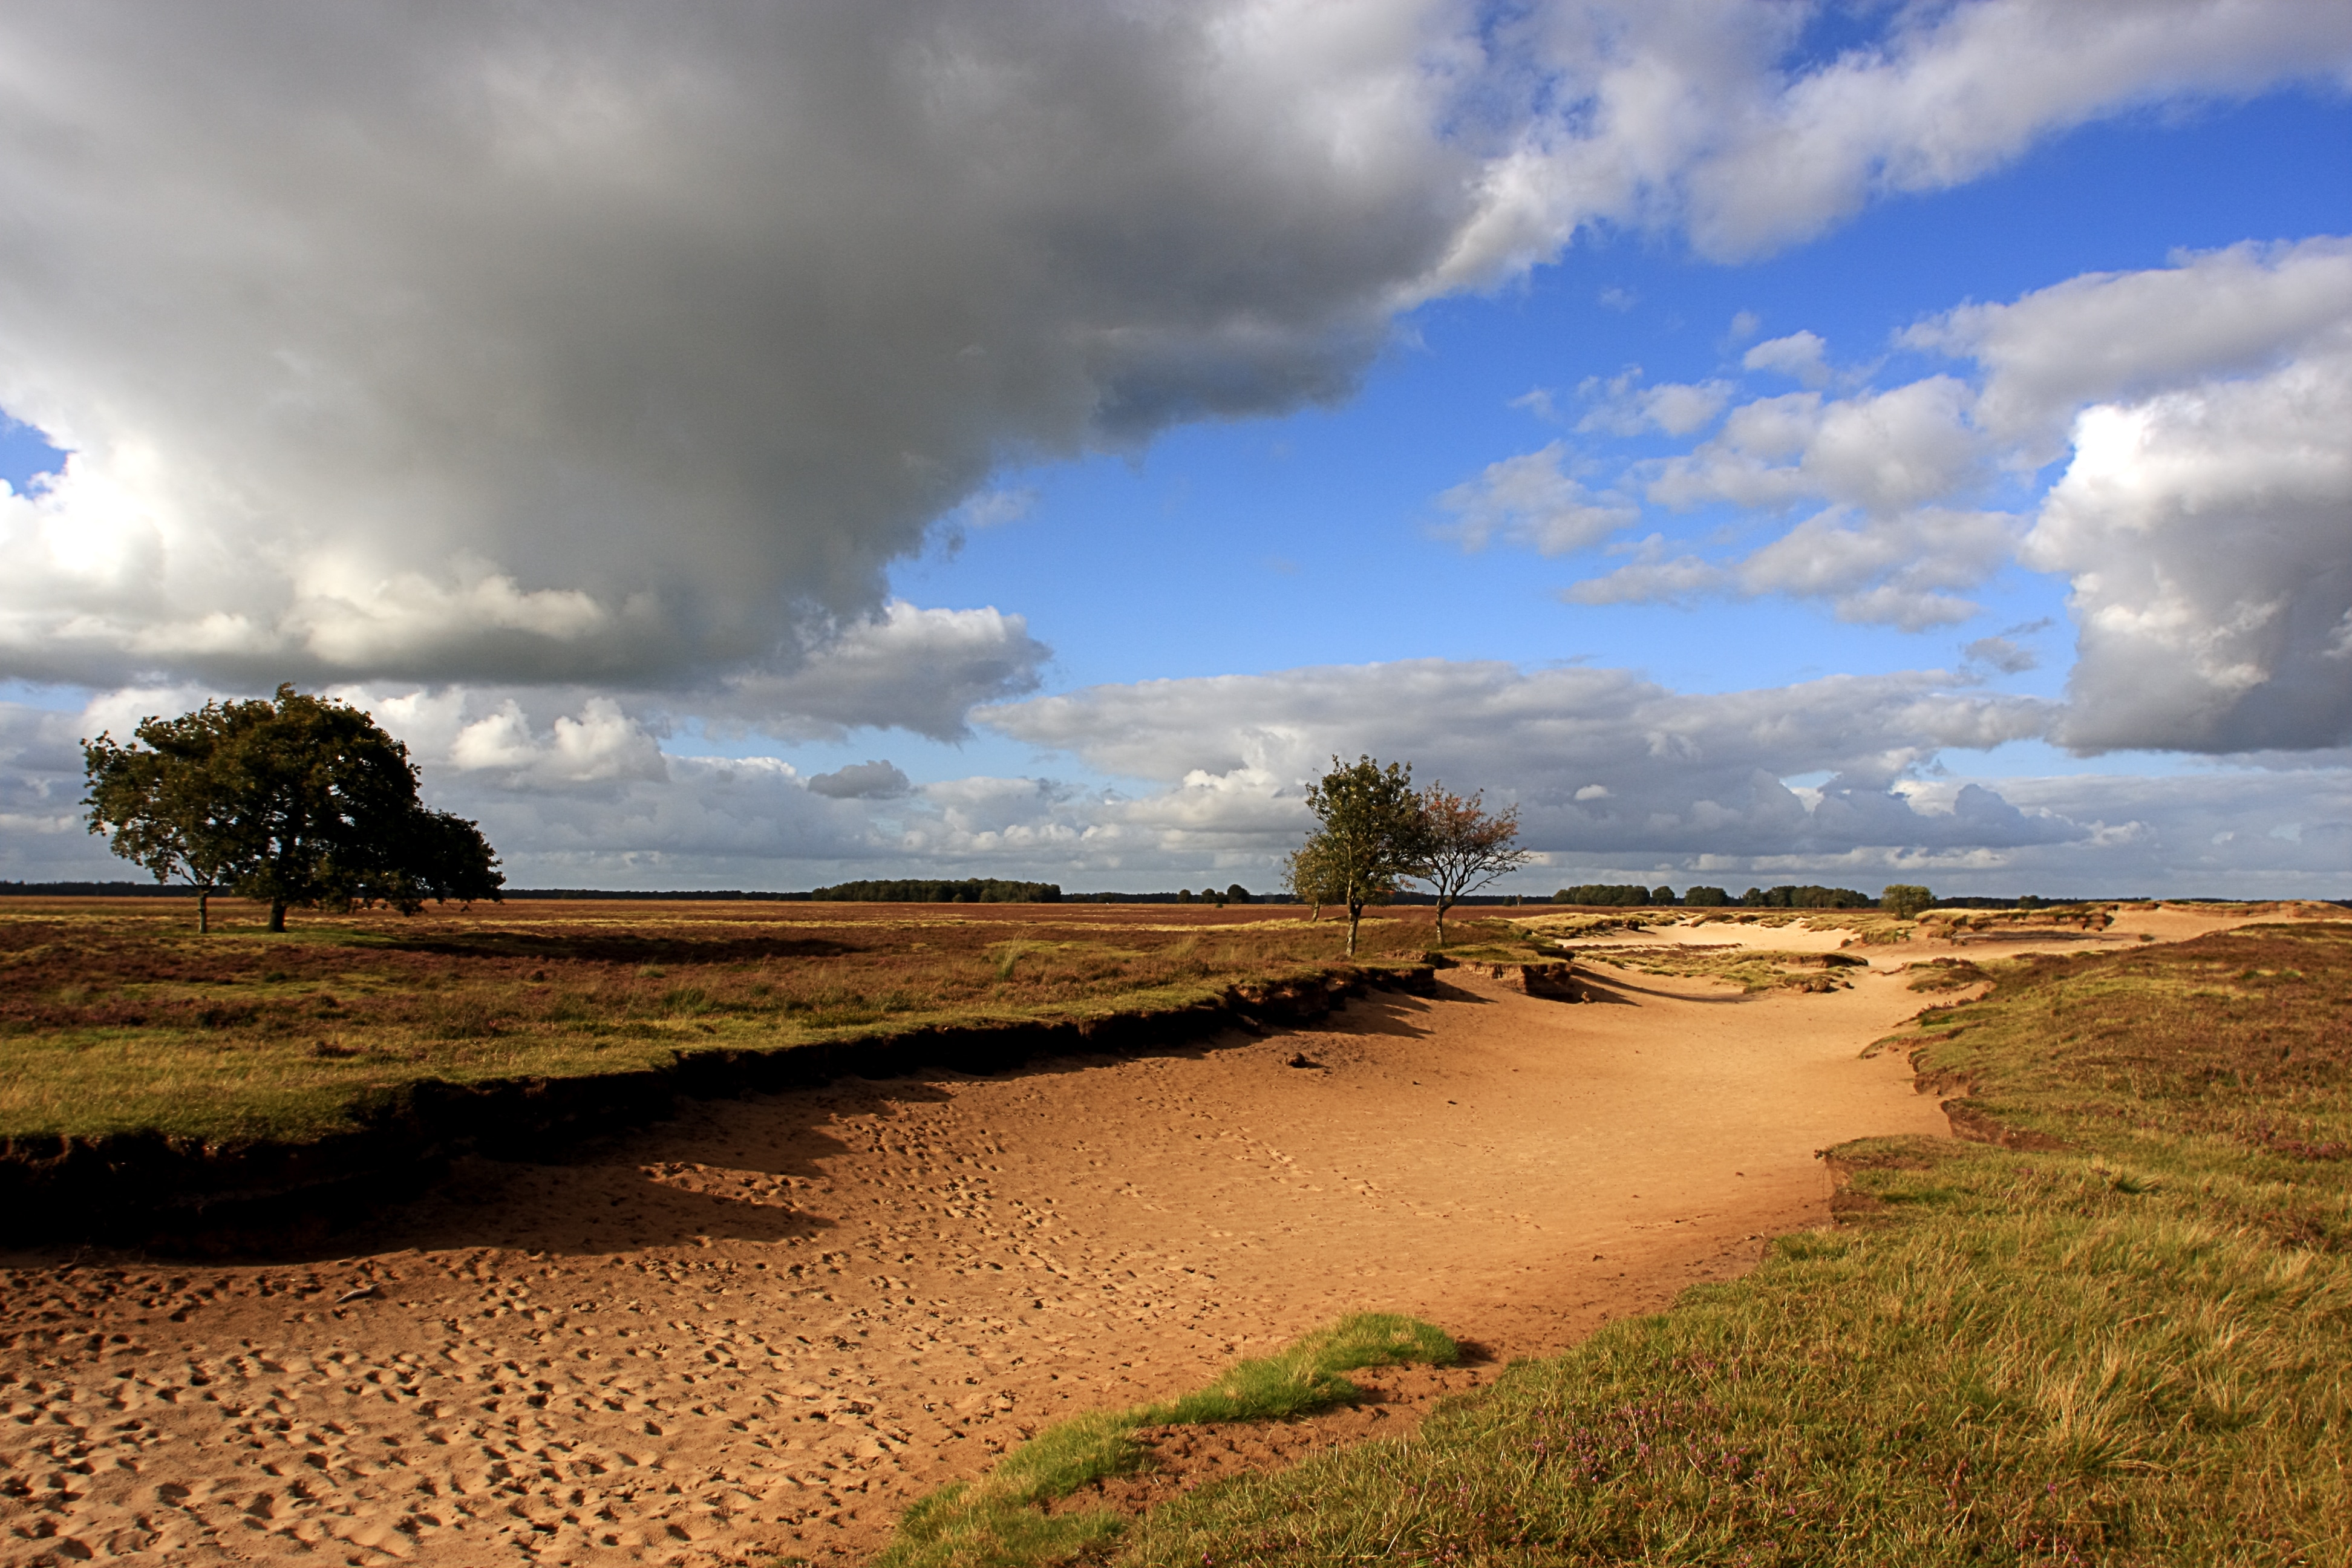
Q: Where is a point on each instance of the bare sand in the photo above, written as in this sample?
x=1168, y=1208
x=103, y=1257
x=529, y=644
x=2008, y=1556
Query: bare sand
x=766, y=1326
x=2133, y=926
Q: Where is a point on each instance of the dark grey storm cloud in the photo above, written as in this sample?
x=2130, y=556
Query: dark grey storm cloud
x=610, y=343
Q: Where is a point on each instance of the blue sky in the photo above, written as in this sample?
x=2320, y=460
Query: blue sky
x=1264, y=543
x=1146, y=461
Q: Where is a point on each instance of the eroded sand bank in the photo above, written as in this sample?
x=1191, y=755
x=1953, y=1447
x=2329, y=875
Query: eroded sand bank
x=766, y=1326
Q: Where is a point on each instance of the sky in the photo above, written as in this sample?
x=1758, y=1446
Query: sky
x=1849, y=441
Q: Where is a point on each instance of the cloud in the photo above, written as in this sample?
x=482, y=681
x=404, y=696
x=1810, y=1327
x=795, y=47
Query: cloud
x=2110, y=336
x=1902, y=571
x=495, y=346
x=1617, y=777
x=1651, y=578
x=1881, y=451
x=861, y=781
x=1686, y=117
x=992, y=509
x=2200, y=516
x=1623, y=406
x=1956, y=91
x=2000, y=654
x=602, y=744
x=915, y=668
x=2200, y=519
x=1600, y=762
x=515, y=345
x=713, y=822
x=2263, y=832
x=2205, y=535
x=1906, y=570
x=1797, y=356
x=1529, y=501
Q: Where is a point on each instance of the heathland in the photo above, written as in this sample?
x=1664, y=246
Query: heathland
x=116, y=1016
x=2109, y=1329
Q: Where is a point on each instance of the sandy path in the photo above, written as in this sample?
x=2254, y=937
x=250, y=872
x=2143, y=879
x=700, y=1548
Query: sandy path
x=764, y=1327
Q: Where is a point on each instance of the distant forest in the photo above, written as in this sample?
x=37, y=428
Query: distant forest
x=916, y=890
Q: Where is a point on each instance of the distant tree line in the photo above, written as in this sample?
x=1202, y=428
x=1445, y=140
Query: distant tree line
x=923, y=890
x=1616, y=895
x=696, y=895
x=1233, y=894
x=1806, y=896
x=1787, y=896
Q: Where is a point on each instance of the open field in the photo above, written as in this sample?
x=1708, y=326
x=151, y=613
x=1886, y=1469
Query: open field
x=116, y=1017
x=770, y=1323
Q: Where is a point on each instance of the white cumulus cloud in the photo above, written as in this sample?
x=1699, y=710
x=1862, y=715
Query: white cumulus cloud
x=1797, y=356
x=2208, y=534
x=1530, y=500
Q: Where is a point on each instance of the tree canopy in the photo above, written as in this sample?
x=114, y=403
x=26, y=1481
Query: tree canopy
x=1906, y=899
x=1609, y=895
x=294, y=802
x=1306, y=875
x=1805, y=896
x=1467, y=845
x=1372, y=833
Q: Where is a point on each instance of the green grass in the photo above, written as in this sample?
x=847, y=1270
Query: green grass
x=996, y=1522
x=115, y=1021
x=2134, y=1349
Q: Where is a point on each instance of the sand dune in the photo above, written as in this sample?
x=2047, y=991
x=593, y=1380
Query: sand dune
x=766, y=1326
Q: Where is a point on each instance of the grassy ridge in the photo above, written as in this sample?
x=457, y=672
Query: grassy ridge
x=2133, y=1349
x=995, y=1522
x=116, y=1020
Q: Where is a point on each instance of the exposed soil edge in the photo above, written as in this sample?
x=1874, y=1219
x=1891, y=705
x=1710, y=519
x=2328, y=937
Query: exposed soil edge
x=147, y=1189
x=1970, y=1121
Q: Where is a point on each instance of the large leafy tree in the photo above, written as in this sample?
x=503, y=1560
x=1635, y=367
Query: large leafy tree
x=1373, y=833
x=1467, y=845
x=294, y=802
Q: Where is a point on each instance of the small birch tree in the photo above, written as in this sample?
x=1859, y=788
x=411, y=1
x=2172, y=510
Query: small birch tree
x=1467, y=845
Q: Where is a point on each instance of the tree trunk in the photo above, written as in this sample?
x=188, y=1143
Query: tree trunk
x=1440, y=921
x=276, y=914
x=203, y=912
